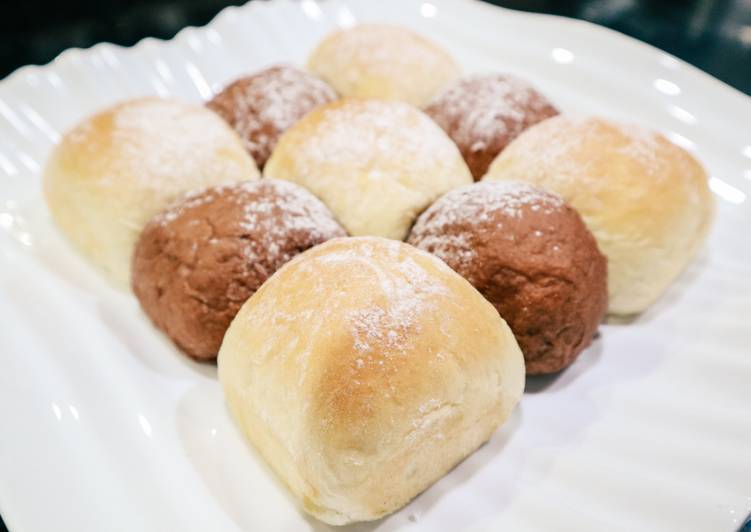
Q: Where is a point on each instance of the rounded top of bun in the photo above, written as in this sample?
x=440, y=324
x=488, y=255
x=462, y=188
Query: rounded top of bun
x=375, y=163
x=383, y=61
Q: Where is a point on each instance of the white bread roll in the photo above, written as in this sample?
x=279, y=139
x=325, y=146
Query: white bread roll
x=363, y=371
x=646, y=200
x=119, y=167
x=377, y=164
x=382, y=61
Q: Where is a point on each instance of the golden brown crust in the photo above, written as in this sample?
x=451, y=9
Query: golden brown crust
x=362, y=361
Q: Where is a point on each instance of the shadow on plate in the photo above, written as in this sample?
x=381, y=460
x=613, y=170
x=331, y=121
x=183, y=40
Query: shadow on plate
x=147, y=344
x=586, y=360
x=236, y=476
x=117, y=309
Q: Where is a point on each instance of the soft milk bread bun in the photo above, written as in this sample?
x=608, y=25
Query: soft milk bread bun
x=118, y=168
x=646, y=200
x=377, y=164
x=382, y=61
x=363, y=370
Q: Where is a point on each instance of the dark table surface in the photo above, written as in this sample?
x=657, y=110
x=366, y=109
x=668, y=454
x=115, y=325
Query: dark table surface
x=714, y=35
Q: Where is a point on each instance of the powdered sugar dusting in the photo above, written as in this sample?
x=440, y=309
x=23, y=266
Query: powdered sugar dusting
x=642, y=145
x=191, y=201
x=373, y=133
x=478, y=109
x=392, y=60
x=403, y=290
x=555, y=149
x=261, y=107
x=444, y=245
x=163, y=141
x=407, y=297
x=272, y=211
x=375, y=163
x=301, y=212
x=386, y=50
x=473, y=205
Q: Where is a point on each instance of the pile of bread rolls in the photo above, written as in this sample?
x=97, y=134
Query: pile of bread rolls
x=361, y=367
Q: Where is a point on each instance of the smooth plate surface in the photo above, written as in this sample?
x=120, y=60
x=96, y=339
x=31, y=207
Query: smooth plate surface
x=106, y=427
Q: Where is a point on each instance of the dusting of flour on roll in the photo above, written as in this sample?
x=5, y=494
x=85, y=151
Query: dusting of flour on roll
x=196, y=263
x=646, y=200
x=263, y=106
x=531, y=256
x=363, y=371
x=376, y=164
x=484, y=113
x=383, y=61
x=115, y=170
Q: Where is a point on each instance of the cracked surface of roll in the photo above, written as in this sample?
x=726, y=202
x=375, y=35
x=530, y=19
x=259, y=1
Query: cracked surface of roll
x=363, y=371
x=646, y=200
x=116, y=169
x=376, y=164
x=383, y=61
x=197, y=262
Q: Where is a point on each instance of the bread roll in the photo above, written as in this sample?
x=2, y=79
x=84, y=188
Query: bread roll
x=376, y=164
x=645, y=199
x=382, y=61
x=531, y=256
x=118, y=168
x=363, y=371
x=196, y=263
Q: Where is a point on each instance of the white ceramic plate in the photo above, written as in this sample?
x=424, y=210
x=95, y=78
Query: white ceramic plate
x=106, y=427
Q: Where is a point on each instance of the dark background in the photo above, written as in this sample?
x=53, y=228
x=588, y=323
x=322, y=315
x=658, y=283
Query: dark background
x=714, y=35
